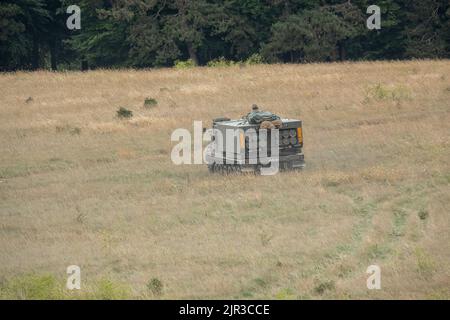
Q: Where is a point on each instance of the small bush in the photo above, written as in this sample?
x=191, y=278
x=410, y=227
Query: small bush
x=322, y=287
x=382, y=92
x=124, y=113
x=423, y=214
x=221, y=62
x=150, y=102
x=184, y=64
x=155, y=286
x=255, y=58
x=285, y=294
x=379, y=92
x=400, y=93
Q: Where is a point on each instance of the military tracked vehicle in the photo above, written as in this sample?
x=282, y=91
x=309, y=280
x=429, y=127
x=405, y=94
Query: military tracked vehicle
x=245, y=145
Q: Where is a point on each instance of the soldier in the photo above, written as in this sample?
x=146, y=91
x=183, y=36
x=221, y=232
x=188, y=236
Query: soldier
x=268, y=124
x=255, y=109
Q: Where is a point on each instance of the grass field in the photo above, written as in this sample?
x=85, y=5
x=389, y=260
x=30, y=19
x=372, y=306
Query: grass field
x=80, y=186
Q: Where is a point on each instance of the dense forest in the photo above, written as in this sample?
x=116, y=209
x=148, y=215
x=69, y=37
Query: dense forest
x=157, y=33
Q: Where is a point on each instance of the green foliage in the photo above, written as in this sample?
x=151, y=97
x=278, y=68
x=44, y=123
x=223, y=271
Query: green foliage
x=261, y=282
x=313, y=35
x=324, y=286
x=184, y=64
x=221, y=62
x=102, y=40
x=155, y=286
x=425, y=263
x=108, y=290
x=399, y=219
x=142, y=33
x=32, y=287
x=378, y=92
x=254, y=59
x=383, y=92
x=423, y=214
x=377, y=251
x=150, y=102
x=48, y=287
x=285, y=294
x=23, y=26
x=425, y=33
x=124, y=113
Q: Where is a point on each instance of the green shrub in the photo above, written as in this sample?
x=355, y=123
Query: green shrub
x=322, y=287
x=155, y=286
x=221, y=62
x=124, y=113
x=150, y=102
x=423, y=214
x=400, y=93
x=32, y=287
x=285, y=294
x=255, y=58
x=184, y=64
x=382, y=92
x=379, y=92
x=47, y=287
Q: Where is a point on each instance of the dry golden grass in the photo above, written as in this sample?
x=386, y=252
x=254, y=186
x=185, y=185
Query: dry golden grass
x=79, y=186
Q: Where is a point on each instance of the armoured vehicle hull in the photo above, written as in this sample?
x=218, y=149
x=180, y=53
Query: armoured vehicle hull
x=252, y=148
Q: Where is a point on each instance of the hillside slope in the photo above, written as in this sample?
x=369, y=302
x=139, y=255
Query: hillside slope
x=79, y=186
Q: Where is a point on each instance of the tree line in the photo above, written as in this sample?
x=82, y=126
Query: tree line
x=157, y=33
